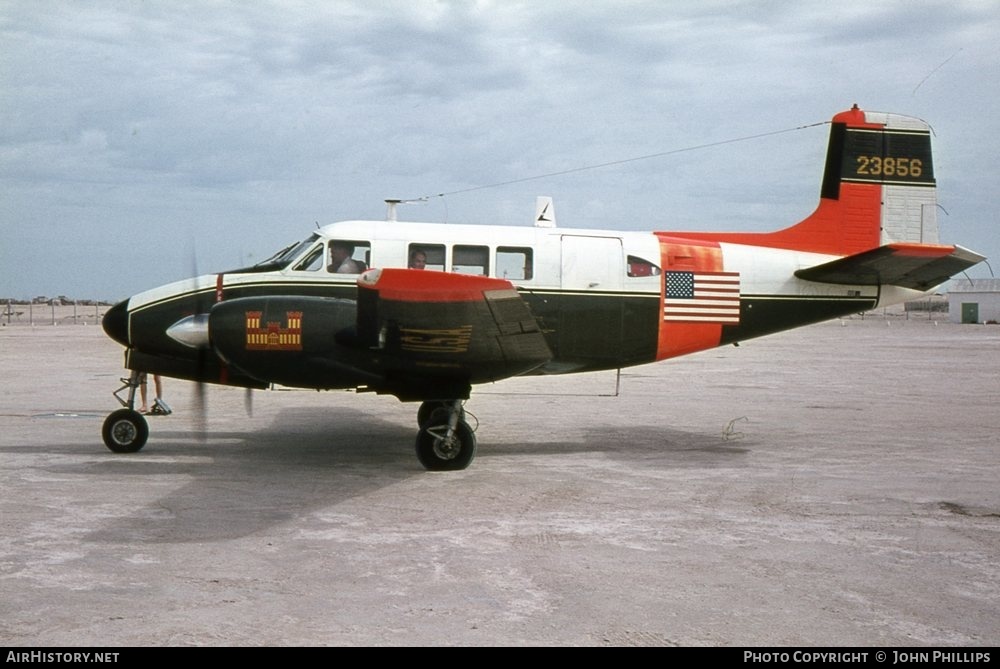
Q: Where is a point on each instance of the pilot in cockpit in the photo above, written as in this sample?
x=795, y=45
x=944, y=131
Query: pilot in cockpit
x=341, y=261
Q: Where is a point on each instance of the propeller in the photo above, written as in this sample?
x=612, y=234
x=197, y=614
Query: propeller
x=200, y=399
x=198, y=402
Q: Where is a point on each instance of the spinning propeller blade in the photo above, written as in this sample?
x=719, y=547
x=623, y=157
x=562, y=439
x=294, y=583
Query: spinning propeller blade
x=198, y=403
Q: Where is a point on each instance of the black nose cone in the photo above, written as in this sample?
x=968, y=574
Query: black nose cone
x=116, y=323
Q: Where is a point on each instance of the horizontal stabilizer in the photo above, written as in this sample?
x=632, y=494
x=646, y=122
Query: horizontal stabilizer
x=917, y=266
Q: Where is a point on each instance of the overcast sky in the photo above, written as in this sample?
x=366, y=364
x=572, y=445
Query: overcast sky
x=142, y=140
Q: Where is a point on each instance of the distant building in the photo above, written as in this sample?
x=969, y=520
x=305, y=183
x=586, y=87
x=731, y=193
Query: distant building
x=974, y=301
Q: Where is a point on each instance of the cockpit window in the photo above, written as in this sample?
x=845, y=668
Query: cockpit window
x=348, y=256
x=641, y=267
x=289, y=253
x=312, y=260
x=282, y=259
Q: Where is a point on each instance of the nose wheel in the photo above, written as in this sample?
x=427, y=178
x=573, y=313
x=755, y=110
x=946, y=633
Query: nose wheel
x=126, y=430
x=445, y=441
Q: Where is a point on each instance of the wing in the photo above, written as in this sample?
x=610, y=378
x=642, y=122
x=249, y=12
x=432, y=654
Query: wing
x=439, y=328
x=411, y=333
x=917, y=266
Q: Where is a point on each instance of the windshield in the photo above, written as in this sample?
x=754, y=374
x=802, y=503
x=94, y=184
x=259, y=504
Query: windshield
x=281, y=259
x=289, y=253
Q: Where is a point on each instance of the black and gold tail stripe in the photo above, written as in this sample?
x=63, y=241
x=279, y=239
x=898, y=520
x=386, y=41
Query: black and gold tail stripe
x=887, y=157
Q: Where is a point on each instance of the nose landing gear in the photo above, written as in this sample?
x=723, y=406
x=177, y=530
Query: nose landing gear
x=126, y=430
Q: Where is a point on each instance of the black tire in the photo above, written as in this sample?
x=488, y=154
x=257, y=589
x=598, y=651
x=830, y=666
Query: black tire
x=439, y=454
x=125, y=431
x=426, y=409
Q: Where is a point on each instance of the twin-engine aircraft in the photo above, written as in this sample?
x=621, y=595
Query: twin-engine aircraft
x=426, y=311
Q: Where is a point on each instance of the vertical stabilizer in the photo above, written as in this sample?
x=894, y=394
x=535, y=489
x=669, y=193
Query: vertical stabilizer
x=887, y=154
x=878, y=188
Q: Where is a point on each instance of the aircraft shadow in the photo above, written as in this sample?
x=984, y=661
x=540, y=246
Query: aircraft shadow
x=241, y=482
x=648, y=445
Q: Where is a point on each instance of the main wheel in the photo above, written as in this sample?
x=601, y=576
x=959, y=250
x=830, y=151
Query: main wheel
x=125, y=431
x=438, y=452
x=429, y=407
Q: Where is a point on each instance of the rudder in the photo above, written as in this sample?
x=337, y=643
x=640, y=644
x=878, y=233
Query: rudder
x=878, y=188
x=891, y=154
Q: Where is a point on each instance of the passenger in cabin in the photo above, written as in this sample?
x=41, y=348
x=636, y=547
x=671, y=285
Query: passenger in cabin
x=418, y=259
x=341, y=261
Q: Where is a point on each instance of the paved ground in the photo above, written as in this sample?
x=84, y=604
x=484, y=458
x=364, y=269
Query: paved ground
x=854, y=502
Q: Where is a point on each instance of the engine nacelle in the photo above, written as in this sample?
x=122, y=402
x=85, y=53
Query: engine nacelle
x=293, y=341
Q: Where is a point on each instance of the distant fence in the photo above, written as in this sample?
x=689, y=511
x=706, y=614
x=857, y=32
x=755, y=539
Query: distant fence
x=935, y=306
x=922, y=309
x=82, y=312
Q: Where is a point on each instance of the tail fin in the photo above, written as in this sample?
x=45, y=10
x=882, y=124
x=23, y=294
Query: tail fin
x=878, y=189
x=880, y=175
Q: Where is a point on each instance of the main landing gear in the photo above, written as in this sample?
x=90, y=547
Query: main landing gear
x=445, y=441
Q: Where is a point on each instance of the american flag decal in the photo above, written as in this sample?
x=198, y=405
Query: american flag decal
x=702, y=297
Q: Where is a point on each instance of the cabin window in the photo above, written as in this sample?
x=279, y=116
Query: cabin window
x=348, y=256
x=470, y=259
x=641, y=267
x=514, y=263
x=313, y=260
x=431, y=254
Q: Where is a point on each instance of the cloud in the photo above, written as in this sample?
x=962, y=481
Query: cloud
x=216, y=120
